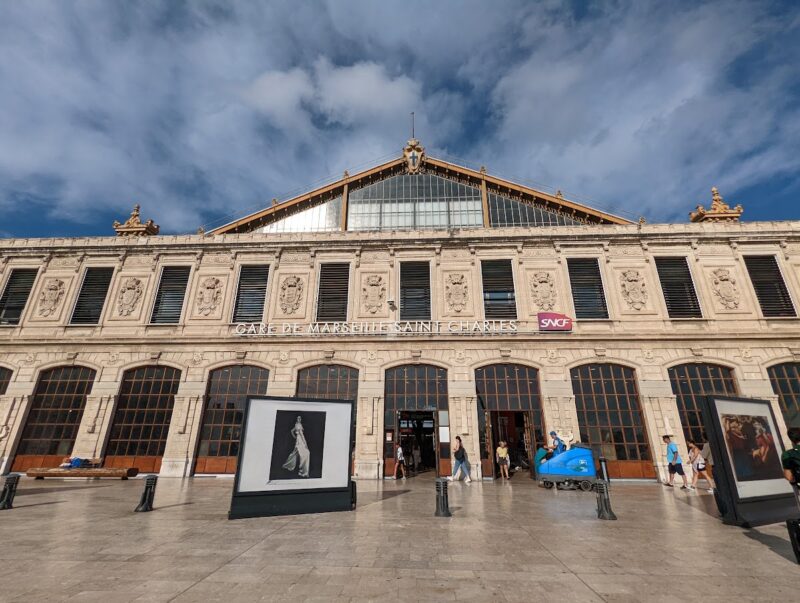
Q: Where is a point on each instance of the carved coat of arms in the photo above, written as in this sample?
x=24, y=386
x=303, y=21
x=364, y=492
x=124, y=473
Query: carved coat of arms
x=291, y=294
x=129, y=295
x=50, y=297
x=725, y=288
x=543, y=290
x=633, y=289
x=456, y=292
x=209, y=295
x=373, y=293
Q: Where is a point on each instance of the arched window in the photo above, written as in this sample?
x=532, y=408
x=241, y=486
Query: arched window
x=509, y=409
x=142, y=416
x=5, y=379
x=227, y=390
x=692, y=381
x=333, y=381
x=54, y=418
x=785, y=380
x=610, y=418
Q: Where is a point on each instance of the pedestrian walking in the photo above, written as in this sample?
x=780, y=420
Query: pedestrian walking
x=675, y=463
x=699, y=466
x=502, y=459
x=461, y=461
x=400, y=462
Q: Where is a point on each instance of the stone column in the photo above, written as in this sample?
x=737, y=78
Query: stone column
x=558, y=403
x=661, y=417
x=14, y=406
x=369, y=431
x=463, y=414
x=98, y=415
x=184, y=429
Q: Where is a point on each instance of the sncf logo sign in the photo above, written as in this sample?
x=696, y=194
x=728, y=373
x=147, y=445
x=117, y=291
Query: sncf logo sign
x=552, y=321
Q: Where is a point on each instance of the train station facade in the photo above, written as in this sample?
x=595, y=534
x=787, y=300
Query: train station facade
x=441, y=300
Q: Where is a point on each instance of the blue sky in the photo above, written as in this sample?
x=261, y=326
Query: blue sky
x=203, y=111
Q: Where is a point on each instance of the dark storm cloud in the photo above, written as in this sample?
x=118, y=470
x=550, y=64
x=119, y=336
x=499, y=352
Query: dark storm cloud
x=202, y=110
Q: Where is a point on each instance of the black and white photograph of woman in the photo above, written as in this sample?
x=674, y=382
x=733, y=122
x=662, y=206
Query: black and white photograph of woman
x=297, y=445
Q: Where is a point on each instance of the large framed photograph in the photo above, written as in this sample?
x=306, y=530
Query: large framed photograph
x=292, y=447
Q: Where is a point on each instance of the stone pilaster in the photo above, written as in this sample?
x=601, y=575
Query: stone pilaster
x=661, y=417
x=184, y=429
x=369, y=431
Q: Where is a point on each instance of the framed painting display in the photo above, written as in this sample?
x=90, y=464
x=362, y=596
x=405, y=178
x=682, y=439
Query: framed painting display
x=747, y=447
x=294, y=457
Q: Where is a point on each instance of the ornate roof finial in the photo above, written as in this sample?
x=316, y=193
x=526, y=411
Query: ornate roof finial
x=133, y=226
x=559, y=194
x=719, y=211
x=414, y=155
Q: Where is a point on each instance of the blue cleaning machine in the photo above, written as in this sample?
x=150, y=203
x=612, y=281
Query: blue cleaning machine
x=571, y=469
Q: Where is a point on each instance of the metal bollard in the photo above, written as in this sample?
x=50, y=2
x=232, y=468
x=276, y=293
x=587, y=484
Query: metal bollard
x=9, y=491
x=442, y=504
x=146, y=501
x=603, y=501
x=604, y=469
x=793, y=525
x=353, y=494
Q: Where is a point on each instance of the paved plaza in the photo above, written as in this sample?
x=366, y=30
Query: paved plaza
x=79, y=540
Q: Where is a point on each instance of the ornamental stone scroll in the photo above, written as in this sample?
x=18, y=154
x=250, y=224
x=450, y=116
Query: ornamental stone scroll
x=724, y=285
x=50, y=297
x=543, y=291
x=291, y=295
x=633, y=289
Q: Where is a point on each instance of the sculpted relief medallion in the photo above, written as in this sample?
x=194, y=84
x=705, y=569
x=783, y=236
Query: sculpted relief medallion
x=129, y=295
x=543, y=291
x=291, y=294
x=209, y=295
x=373, y=293
x=456, y=292
x=725, y=288
x=633, y=289
x=51, y=296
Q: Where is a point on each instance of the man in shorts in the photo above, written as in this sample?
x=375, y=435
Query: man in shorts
x=675, y=464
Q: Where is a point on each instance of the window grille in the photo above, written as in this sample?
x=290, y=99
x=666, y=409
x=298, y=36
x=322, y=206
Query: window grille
x=414, y=387
x=498, y=289
x=690, y=383
x=171, y=293
x=334, y=289
x=678, y=288
x=773, y=297
x=92, y=297
x=415, y=291
x=587, y=288
x=251, y=293
x=332, y=381
x=16, y=294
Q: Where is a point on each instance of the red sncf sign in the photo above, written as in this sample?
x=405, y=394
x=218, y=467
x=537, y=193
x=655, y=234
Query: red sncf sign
x=552, y=321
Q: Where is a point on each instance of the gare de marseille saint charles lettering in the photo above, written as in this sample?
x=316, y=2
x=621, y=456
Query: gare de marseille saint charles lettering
x=548, y=321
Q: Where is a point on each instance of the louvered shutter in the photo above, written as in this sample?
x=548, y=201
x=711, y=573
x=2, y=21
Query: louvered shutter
x=415, y=291
x=92, y=297
x=171, y=293
x=773, y=297
x=498, y=290
x=587, y=288
x=251, y=293
x=334, y=288
x=16, y=294
x=678, y=288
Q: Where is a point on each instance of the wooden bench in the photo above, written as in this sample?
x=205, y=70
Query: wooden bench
x=95, y=470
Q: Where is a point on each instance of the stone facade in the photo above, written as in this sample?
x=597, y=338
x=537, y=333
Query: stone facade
x=639, y=334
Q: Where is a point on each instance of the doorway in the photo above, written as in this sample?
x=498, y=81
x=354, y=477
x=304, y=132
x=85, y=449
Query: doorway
x=521, y=434
x=417, y=436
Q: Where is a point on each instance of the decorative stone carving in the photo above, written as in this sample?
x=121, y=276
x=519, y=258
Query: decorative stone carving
x=197, y=358
x=718, y=212
x=648, y=355
x=414, y=155
x=291, y=294
x=209, y=295
x=134, y=227
x=373, y=293
x=284, y=357
x=724, y=284
x=129, y=295
x=543, y=291
x=456, y=292
x=51, y=296
x=633, y=289
x=113, y=358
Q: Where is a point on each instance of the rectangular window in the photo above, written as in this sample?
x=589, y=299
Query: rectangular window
x=773, y=297
x=16, y=294
x=498, y=290
x=415, y=291
x=587, y=288
x=170, y=296
x=251, y=293
x=92, y=297
x=334, y=288
x=678, y=288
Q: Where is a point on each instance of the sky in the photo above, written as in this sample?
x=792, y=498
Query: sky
x=204, y=111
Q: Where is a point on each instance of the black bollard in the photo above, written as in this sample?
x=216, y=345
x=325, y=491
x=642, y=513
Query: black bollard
x=146, y=501
x=353, y=494
x=793, y=525
x=9, y=491
x=603, y=501
x=442, y=504
x=604, y=469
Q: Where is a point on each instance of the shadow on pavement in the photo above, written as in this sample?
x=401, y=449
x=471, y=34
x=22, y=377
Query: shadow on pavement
x=776, y=544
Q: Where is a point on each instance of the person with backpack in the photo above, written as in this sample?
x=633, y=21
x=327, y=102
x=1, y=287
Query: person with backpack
x=461, y=461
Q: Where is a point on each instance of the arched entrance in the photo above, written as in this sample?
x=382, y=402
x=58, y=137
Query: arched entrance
x=416, y=414
x=223, y=411
x=509, y=409
x=610, y=418
x=138, y=434
x=54, y=418
x=785, y=380
x=690, y=383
